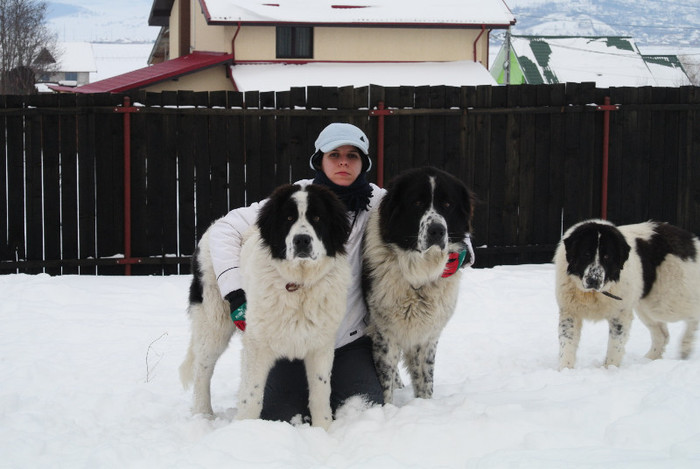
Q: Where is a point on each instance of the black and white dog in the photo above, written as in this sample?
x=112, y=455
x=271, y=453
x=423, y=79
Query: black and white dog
x=295, y=275
x=604, y=272
x=425, y=214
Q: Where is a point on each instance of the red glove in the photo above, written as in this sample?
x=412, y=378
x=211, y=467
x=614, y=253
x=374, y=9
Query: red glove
x=454, y=262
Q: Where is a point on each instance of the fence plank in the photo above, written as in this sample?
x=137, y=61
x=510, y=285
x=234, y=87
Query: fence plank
x=201, y=151
x=51, y=189
x=86, y=181
x=69, y=181
x=187, y=216
x=5, y=251
x=235, y=142
x=690, y=160
x=109, y=185
x=15, y=182
x=35, y=222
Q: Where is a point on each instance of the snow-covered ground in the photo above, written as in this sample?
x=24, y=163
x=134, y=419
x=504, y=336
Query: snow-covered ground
x=89, y=379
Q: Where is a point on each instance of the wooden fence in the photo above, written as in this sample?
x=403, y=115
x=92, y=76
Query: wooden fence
x=92, y=184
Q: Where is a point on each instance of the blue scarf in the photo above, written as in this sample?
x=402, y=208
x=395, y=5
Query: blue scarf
x=355, y=196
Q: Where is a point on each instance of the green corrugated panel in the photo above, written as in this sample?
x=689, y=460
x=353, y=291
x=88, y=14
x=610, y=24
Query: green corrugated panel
x=666, y=60
x=530, y=71
x=622, y=43
x=542, y=53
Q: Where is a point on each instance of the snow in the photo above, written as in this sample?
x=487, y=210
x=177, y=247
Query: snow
x=75, y=57
x=102, y=20
x=115, y=59
x=281, y=77
x=89, y=366
x=361, y=11
x=102, y=60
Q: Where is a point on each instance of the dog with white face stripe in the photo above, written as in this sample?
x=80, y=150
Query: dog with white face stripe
x=296, y=275
x=607, y=272
x=425, y=215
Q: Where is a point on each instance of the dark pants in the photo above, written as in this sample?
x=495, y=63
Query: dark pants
x=287, y=390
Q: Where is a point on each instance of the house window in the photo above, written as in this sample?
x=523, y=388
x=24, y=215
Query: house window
x=73, y=76
x=295, y=42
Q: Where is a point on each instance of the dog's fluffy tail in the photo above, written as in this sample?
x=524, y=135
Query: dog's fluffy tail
x=187, y=369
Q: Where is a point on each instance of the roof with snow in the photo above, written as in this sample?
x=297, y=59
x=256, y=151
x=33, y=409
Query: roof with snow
x=606, y=60
x=116, y=58
x=368, y=12
x=148, y=75
x=282, y=77
x=75, y=57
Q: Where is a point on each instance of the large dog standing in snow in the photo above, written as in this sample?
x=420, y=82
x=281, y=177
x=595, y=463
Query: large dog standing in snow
x=424, y=216
x=604, y=272
x=295, y=275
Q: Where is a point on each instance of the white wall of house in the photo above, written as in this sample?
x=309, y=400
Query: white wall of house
x=69, y=78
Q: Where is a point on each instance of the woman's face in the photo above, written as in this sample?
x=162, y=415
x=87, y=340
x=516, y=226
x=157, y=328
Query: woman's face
x=342, y=165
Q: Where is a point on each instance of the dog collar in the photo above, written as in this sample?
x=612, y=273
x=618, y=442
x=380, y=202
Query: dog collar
x=610, y=295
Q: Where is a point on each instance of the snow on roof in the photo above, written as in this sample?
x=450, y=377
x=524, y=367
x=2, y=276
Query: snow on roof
x=607, y=61
x=75, y=57
x=457, y=12
x=282, y=77
x=113, y=59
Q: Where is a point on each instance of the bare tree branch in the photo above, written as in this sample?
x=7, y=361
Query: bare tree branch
x=23, y=37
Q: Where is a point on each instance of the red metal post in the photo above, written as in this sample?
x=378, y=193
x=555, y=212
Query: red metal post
x=606, y=108
x=127, y=109
x=606, y=155
x=380, y=112
x=127, y=185
x=380, y=146
x=483, y=30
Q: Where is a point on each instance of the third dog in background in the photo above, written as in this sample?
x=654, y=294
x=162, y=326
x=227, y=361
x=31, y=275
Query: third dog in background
x=604, y=272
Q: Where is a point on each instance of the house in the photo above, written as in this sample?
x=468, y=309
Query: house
x=71, y=66
x=257, y=45
x=606, y=60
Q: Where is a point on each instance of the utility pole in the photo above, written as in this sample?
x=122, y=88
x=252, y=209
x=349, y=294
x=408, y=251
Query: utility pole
x=506, y=63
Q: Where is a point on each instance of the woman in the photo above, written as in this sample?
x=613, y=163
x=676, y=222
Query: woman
x=341, y=161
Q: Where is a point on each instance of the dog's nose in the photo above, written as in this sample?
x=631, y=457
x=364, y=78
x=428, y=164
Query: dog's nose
x=302, y=245
x=436, y=235
x=594, y=283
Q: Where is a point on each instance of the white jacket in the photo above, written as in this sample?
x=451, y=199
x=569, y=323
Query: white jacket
x=225, y=245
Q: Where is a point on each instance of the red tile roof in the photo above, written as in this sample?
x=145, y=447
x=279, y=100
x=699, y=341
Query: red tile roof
x=155, y=73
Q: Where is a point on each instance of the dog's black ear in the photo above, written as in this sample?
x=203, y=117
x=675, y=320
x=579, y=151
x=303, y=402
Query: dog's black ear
x=623, y=246
x=335, y=218
x=271, y=213
x=570, y=247
x=390, y=202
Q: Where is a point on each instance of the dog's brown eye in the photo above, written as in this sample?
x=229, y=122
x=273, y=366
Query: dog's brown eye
x=446, y=204
x=290, y=218
x=418, y=203
x=316, y=218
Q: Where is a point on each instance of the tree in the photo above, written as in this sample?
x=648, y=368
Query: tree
x=23, y=36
